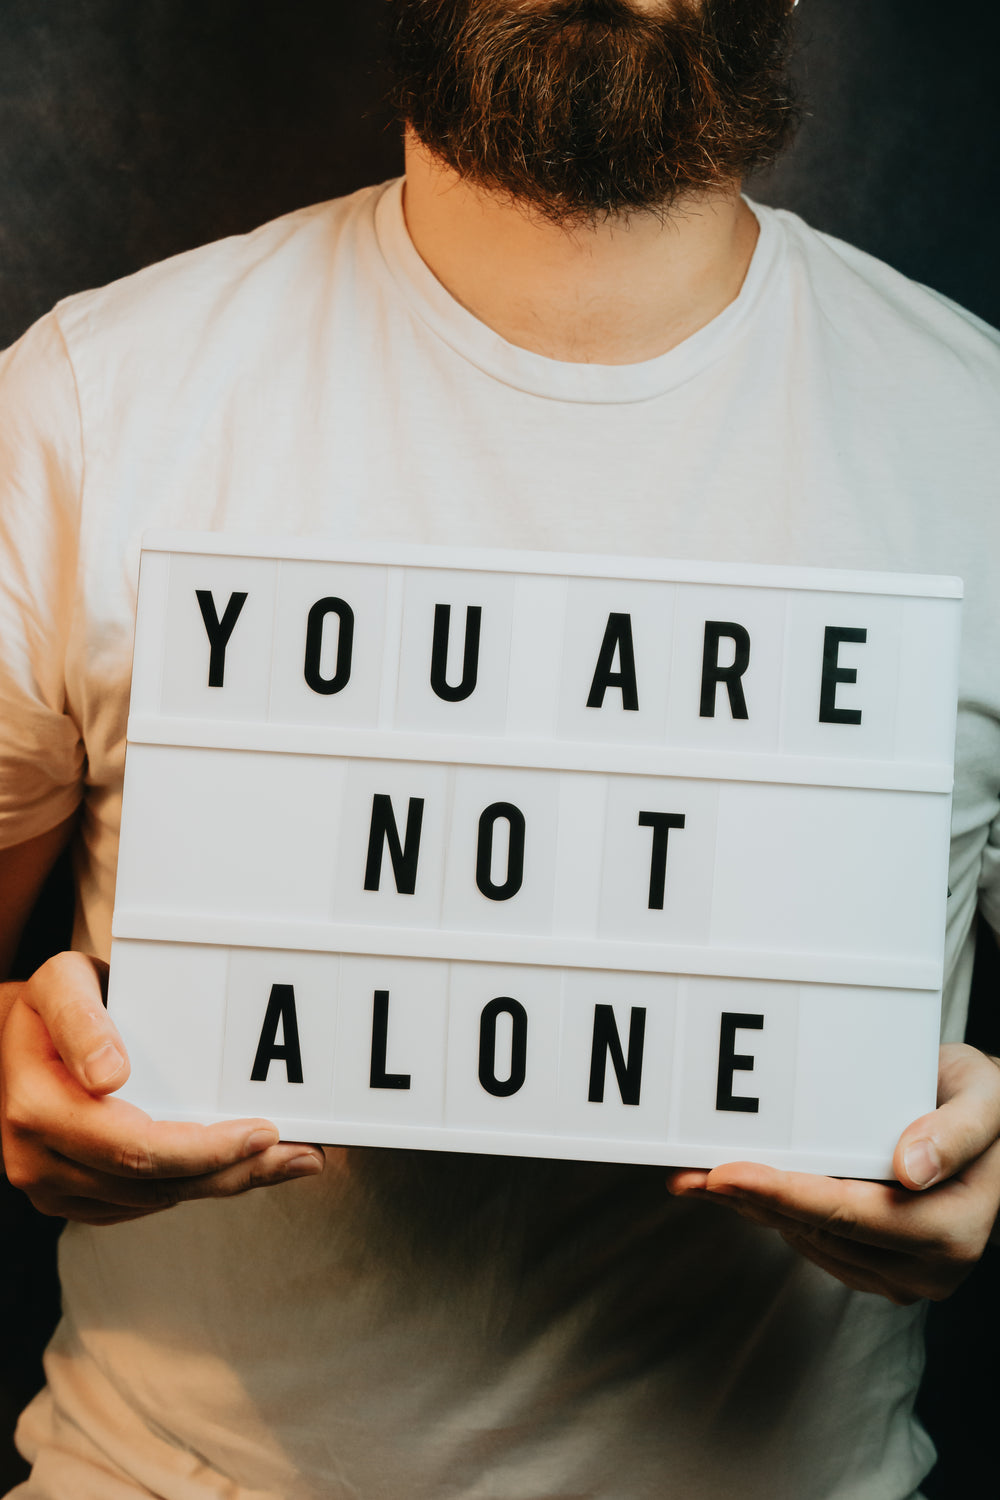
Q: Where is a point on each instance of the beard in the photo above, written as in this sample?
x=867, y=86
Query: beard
x=585, y=110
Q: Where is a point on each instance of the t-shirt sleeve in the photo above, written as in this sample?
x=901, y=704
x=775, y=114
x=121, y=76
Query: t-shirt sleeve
x=41, y=473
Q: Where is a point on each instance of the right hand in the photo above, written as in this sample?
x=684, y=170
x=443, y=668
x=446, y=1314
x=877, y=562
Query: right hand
x=80, y=1154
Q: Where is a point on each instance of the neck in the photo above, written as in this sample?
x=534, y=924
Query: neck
x=615, y=293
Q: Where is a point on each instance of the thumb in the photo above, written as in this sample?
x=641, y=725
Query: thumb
x=67, y=994
x=965, y=1123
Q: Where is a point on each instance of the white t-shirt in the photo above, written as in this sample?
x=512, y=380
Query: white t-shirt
x=425, y=1325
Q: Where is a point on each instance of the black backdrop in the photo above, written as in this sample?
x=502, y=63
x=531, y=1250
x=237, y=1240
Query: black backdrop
x=132, y=129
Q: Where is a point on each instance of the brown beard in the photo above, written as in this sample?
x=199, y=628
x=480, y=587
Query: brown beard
x=586, y=109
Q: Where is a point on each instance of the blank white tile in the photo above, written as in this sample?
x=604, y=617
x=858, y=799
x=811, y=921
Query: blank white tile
x=416, y=1043
x=150, y=627
x=313, y=978
x=168, y=1000
x=771, y=1080
x=187, y=647
x=235, y=832
x=833, y=870
x=761, y=613
x=579, y=854
x=628, y=860
x=401, y=781
x=533, y=1108
x=613, y=1119
x=589, y=606
x=533, y=794
x=535, y=656
x=301, y=585
x=873, y=694
x=928, y=680
x=867, y=1067
x=418, y=706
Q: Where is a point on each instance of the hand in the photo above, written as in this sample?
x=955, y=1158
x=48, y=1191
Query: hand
x=903, y=1242
x=80, y=1154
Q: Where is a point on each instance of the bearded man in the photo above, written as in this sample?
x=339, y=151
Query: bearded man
x=567, y=330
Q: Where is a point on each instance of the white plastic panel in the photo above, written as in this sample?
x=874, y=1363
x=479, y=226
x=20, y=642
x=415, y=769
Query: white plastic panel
x=520, y=1059
x=536, y=657
x=927, y=692
x=711, y=627
x=231, y=832
x=616, y=1070
x=737, y=1076
x=169, y=1003
x=679, y=864
x=281, y=1021
x=329, y=627
x=242, y=632
x=414, y=805
x=657, y=879
x=503, y=1050
x=391, y=1041
x=616, y=658
x=469, y=598
x=501, y=859
x=862, y=675
x=866, y=1060
x=821, y=869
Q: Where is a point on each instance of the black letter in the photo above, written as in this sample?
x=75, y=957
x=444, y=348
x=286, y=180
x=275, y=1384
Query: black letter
x=515, y=851
x=712, y=674
x=829, y=713
x=218, y=631
x=606, y=1039
x=439, y=653
x=661, y=824
x=617, y=638
x=384, y=831
x=488, y=1047
x=731, y=1061
x=314, y=645
x=280, y=1009
x=378, y=1078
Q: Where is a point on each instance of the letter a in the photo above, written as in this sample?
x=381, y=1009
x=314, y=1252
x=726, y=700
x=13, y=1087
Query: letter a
x=280, y=1012
x=617, y=642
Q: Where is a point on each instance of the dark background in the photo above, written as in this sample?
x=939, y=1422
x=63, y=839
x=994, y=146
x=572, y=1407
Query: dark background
x=133, y=129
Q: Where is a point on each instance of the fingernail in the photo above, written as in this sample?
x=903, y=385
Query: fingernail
x=302, y=1166
x=259, y=1140
x=101, y=1066
x=922, y=1163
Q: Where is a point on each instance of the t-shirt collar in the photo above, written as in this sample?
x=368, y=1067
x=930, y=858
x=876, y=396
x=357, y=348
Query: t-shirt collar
x=558, y=379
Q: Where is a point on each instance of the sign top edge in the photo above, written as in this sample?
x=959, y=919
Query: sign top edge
x=319, y=548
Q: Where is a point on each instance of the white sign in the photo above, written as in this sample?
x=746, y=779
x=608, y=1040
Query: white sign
x=533, y=854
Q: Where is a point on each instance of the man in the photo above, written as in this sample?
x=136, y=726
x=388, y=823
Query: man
x=569, y=332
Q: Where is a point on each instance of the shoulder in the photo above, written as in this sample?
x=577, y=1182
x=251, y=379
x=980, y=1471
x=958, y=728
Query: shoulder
x=247, y=281
x=901, y=331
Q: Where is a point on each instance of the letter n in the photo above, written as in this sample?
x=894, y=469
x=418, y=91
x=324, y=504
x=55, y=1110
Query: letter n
x=402, y=853
x=607, y=1042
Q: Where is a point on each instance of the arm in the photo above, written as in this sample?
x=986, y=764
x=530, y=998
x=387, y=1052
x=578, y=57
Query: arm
x=76, y=1151
x=903, y=1242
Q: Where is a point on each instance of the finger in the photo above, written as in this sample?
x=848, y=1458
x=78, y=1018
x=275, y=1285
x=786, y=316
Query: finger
x=965, y=1124
x=685, y=1181
x=858, y=1278
x=873, y=1212
x=67, y=993
x=55, y=1180
x=43, y=1104
x=280, y=1164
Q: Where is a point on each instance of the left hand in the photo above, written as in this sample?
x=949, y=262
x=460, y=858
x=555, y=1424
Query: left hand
x=902, y=1242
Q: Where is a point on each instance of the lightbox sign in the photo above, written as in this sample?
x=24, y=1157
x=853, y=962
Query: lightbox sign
x=536, y=854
